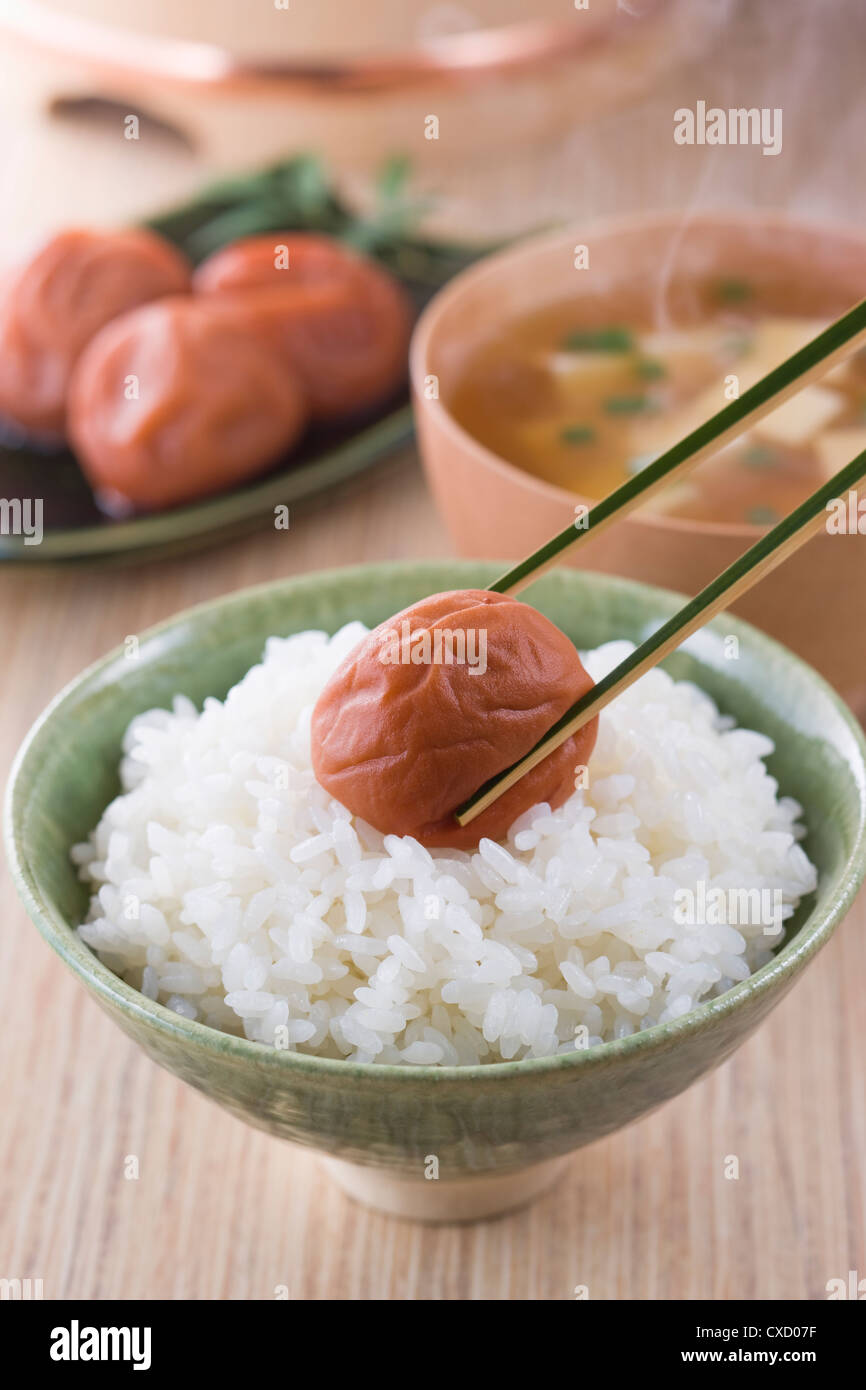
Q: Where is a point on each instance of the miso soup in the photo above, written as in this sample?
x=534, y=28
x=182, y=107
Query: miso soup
x=586, y=393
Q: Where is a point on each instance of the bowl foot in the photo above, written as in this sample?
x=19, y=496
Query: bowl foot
x=462, y=1199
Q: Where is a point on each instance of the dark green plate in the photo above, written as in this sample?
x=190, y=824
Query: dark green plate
x=76, y=529
x=295, y=195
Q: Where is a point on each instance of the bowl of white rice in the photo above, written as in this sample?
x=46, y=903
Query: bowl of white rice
x=447, y=1026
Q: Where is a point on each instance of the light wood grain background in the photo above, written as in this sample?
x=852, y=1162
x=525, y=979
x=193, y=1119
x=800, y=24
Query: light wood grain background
x=220, y=1211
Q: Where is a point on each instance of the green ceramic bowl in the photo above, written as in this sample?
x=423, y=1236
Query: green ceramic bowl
x=495, y=1132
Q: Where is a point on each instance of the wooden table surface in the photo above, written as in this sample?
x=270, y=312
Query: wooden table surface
x=221, y=1211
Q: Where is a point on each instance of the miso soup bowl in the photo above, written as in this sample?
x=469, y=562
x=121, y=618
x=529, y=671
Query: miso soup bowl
x=498, y=1132
x=816, y=602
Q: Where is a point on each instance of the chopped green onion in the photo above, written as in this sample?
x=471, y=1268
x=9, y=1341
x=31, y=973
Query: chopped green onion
x=737, y=344
x=733, y=291
x=650, y=368
x=758, y=456
x=762, y=516
x=599, y=340
x=577, y=434
x=628, y=405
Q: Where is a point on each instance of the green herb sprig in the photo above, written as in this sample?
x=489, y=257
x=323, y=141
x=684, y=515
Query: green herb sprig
x=298, y=195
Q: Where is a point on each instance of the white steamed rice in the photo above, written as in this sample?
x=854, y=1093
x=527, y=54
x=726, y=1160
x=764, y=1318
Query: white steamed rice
x=229, y=886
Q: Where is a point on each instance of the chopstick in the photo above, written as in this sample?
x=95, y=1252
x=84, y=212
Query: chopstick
x=817, y=357
x=771, y=550
x=837, y=341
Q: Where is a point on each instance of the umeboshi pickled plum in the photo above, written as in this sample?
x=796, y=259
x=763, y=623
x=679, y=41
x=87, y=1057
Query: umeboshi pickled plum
x=53, y=304
x=341, y=320
x=177, y=400
x=403, y=742
x=277, y=260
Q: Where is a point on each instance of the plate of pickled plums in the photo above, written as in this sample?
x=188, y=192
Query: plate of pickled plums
x=190, y=377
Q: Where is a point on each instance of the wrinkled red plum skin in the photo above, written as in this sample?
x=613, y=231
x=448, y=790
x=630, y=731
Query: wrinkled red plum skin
x=214, y=405
x=403, y=745
x=340, y=320
x=54, y=304
x=277, y=261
